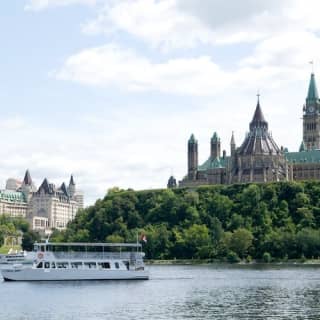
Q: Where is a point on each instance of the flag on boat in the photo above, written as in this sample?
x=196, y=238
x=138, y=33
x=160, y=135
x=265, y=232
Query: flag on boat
x=143, y=238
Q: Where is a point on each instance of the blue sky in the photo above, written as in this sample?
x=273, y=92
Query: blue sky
x=111, y=90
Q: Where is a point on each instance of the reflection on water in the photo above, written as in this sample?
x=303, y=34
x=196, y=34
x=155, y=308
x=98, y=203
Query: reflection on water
x=174, y=292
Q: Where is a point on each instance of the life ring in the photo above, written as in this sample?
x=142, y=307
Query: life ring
x=40, y=255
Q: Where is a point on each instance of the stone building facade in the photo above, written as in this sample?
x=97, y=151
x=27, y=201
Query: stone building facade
x=259, y=158
x=46, y=207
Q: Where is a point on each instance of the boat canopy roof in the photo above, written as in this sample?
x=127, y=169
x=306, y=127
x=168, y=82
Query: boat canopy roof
x=88, y=244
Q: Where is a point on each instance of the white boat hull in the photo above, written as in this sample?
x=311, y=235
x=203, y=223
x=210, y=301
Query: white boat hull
x=31, y=274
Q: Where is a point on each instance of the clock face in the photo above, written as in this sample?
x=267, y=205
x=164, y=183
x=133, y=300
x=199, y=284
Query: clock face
x=311, y=109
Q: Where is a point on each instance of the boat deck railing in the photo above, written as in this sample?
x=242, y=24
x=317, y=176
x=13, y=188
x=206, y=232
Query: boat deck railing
x=98, y=255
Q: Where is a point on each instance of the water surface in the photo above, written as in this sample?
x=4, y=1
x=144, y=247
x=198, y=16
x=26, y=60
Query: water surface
x=174, y=292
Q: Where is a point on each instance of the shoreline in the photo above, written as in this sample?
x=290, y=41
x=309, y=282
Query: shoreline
x=314, y=262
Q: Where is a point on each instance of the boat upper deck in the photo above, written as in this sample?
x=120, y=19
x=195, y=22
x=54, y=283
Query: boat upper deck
x=98, y=251
x=87, y=245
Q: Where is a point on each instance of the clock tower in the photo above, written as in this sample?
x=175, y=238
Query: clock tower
x=311, y=117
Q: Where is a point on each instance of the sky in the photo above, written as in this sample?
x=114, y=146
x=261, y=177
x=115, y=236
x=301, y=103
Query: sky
x=111, y=90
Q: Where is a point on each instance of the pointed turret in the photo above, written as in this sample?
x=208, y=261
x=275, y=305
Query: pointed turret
x=192, y=139
x=27, y=186
x=215, y=146
x=313, y=96
x=172, y=183
x=232, y=145
x=72, y=187
x=302, y=147
x=192, y=157
x=311, y=117
x=258, y=120
x=46, y=186
x=63, y=188
x=71, y=181
x=27, y=179
x=259, y=140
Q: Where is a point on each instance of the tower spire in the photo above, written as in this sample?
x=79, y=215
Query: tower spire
x=27, y=178
x=313, y=95
x=311, y=127
x=232, y=139
x=232, y=144
x=258, y=120
x=192, y=157
x=215, y=146
x=71, y=183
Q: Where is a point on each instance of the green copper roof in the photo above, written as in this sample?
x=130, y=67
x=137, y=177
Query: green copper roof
x=312, y=91
x=12, y=196
x=213, y=163
x=192, y=139
x=311, y=156
x=302, y=147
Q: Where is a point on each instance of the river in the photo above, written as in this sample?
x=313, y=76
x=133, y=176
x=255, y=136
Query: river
x=173, y=292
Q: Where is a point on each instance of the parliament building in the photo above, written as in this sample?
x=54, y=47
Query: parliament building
x=259, y=158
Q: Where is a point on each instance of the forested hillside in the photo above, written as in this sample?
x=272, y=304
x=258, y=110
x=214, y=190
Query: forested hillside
x=259, y=221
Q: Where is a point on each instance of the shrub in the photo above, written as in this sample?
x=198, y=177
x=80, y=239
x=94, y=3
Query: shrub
x=232, y=257
x=266, y=257
x=303, y=259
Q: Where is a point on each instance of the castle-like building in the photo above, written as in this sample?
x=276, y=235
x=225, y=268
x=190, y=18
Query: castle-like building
x=46, y=207
x=259, y=158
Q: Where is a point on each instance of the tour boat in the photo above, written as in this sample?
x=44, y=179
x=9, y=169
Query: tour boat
x=12, y=257
x=81, y=261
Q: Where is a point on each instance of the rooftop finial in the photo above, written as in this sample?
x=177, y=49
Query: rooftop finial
x=258, y=95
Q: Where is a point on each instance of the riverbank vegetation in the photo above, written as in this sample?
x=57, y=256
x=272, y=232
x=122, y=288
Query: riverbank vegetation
x=266, y=222
x=15, y=234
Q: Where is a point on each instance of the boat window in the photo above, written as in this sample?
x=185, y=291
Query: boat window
x=47, y=265
x=62, y=265
x=90, y=265
x=104, y=265
x=53, y=265
x=76, y=265
x=117, y=265
x=39, y=265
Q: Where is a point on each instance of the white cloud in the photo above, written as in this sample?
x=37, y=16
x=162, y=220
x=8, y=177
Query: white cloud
x=274, y=63
x=285, y=49
x=111, y=65
x=187, y=23
x=156, y=22
x=38, y=5
x=12, y=123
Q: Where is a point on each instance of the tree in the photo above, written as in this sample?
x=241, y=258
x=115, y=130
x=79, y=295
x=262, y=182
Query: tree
x=241, y=241
x=28, y=239
x=114, y=238
x=308, y=243
x=209, y=221
x=196, y=238
x=1, y=239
